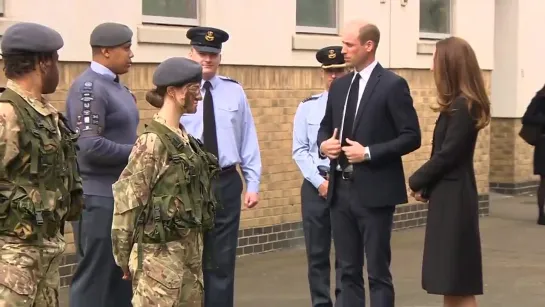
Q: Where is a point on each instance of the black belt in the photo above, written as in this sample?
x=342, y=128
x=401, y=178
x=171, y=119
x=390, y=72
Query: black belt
x=228, y=169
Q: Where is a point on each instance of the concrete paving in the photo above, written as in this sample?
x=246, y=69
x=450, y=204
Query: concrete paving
x=513, y=255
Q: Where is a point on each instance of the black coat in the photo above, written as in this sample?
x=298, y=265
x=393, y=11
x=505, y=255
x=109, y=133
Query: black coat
x=535, y=116
x=452, y=263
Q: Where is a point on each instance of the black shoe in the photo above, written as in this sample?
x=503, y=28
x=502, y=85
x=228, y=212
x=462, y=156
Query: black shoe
x=541, y=220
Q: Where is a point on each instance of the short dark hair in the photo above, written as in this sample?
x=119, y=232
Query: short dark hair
x=18, y=65
x=369, y=32
x=96, y=50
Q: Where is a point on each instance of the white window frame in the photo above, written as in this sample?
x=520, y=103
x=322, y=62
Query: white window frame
x=172, y=21
x=439, y=36
x=321, y=30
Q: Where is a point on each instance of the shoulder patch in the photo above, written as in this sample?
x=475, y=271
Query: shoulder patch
x=229, y=79
x=310, y=98
x=86, y=117
x=87, y=95
x=87, y=87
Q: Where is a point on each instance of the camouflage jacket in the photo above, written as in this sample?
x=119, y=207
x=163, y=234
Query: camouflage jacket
x=40, y=185
x=156, y=195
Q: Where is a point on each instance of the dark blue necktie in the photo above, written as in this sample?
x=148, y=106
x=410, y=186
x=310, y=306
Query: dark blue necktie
x=349, y=116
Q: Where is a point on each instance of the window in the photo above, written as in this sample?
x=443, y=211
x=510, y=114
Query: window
x=1, y=8
x=317, y=16
x=171, y=12
x=435, y=19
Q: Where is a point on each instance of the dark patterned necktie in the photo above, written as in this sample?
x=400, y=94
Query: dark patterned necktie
x=349, y=116
x=209, y=129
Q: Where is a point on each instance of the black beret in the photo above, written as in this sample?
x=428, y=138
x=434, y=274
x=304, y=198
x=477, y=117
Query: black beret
x=331, y=57
x=110, y=34
x=25, y=37
x=207, y=39
x=177, y=71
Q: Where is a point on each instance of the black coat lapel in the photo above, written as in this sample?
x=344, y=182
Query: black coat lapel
x=367, y=93
x=344, y=86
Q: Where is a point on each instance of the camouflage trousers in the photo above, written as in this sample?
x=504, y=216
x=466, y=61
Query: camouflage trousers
x=29, y=273
x=171, y=276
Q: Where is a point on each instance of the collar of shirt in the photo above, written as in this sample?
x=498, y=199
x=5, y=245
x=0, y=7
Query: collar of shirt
x=103, y=70
x=365, y=74
x=40, y=105
x=179, y=131
x=324, y=95
x=214, y=82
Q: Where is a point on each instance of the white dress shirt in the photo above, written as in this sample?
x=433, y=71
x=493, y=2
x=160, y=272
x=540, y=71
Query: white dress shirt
x=365, y=74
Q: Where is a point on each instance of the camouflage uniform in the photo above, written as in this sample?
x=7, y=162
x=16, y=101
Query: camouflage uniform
x=40, y=189
x=163, y=203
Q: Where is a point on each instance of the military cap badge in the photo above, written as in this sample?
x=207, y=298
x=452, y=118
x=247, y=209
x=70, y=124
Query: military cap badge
x=209, y=36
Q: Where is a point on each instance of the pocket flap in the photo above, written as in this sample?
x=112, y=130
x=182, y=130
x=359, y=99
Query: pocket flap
x=162, y=274
x=230, y=106
x=130, y=192
x=17, y=279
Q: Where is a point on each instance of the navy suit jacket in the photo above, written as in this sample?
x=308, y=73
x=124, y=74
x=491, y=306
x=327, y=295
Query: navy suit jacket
x=387, y=123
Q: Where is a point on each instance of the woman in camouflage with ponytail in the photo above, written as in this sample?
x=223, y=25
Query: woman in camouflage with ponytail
x=163, y=199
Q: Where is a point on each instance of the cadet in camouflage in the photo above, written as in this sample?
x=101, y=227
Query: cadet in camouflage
x=40, y=186
x=163, y=200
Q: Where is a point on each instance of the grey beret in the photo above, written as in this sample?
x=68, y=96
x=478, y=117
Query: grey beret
x=25, y=37
x=110, y=34
x=177, y=71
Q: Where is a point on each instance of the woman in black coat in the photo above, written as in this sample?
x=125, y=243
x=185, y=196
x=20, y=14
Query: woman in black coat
x=452, y=264
x=535, y=116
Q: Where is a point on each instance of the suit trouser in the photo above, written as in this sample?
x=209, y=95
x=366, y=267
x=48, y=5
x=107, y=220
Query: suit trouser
x=358, y=229
x=222, y=242
x=97, y=279
x=317, y=230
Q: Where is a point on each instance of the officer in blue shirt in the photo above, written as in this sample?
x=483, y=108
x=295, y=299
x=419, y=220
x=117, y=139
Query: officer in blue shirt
x=105, y=114
x=224, y=123
x=315, y=211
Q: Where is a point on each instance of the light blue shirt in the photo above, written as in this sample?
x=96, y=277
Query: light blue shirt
x=306, y=123
x=235, y=128
x=103, y=70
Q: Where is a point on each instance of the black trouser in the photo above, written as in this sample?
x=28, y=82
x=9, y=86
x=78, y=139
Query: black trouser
x=357, y=229
x=97, y=279
x=317, y=229
x=219, y=282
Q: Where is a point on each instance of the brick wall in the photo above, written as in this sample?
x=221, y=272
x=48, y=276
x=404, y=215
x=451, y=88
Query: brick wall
x=274, y=93
x=511, y=159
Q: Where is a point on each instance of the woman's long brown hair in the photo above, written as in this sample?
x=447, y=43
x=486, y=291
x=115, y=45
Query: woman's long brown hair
x=457, y=73
x=541, y=92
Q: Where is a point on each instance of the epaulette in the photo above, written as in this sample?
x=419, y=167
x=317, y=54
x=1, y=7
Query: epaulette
x=229, y=79
x=310, y=98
